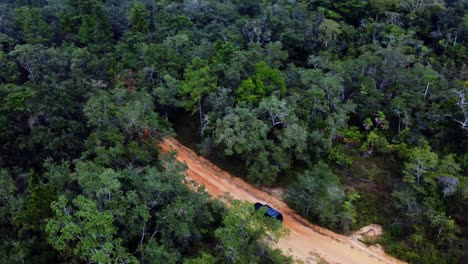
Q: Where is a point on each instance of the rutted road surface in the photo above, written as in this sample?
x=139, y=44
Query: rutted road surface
x=305, y=239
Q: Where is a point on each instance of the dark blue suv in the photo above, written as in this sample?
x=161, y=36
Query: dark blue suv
x=270, y=212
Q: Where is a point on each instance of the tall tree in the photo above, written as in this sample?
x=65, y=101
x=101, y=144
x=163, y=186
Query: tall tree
x=198, y=82
x=139, y=18
x=33, y=25
x=318, y=195
x=83, y=231
x=266, y=81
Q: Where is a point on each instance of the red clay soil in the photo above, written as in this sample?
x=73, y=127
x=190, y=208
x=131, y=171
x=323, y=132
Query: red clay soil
x=305, y=239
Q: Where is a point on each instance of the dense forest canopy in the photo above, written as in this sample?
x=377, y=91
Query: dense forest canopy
x=357, y=108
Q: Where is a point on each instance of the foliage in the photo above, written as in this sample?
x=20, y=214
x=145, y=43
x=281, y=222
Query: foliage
x=89, y=231
x=264, y=82
x=339, y=157
x=246, y=233
x=89, y=88
x=139, y=17
x=33, y=25
x=319, y=195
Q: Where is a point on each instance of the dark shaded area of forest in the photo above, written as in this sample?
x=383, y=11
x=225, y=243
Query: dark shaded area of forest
x=359, y=109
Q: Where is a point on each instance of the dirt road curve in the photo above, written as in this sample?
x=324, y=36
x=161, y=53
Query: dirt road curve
x=305, y=239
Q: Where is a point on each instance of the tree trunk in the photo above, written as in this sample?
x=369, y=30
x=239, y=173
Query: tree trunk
x=202, y=131
x=399, y=124
x=427, y=90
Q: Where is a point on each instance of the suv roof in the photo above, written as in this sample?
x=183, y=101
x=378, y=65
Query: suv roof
x=271, y=212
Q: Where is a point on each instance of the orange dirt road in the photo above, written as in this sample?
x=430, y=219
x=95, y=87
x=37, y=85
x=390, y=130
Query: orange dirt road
x=305, y=239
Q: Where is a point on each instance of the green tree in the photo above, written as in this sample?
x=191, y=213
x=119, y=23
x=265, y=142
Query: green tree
x=329, y=31
x=204, y=258
x=266, y=81
x=240, y=132
x=166, y=92
x=7, y=198
x=421, y=164
x=244, y=234
x=36, y=206
x=384, y=5
x=125, y=125
x=139, y=18
x=33, y=25
x=198, y=82
x=82, y=231
x=318, y=195
x=95, y=28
